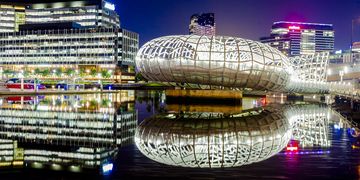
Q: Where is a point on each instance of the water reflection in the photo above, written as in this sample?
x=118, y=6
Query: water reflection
x=195, y=138
x=66, y=132
x=213, y=139
x=89, y=132
x=310, y=124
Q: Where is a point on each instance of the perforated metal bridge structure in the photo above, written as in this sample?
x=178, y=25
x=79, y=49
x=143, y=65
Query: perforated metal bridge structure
x=216, y=62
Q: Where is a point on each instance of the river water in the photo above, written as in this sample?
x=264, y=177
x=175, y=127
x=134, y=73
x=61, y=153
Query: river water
x=149, y=134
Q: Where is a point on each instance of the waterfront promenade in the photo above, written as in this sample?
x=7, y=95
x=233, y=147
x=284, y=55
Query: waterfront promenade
x=4, y=91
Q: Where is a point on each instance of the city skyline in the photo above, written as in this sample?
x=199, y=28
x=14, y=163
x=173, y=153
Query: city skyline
x=238, y=18
x=181, y=89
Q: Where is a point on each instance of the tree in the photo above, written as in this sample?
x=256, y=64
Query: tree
x=45, y=72
x=7, y=72
x=105, y=102
x=139, y=77
x=105, y=73
x=131, y=68
x=27, y=73
x=82, y=72
x=59, y=72
x=37, y=71
x=70, y=72
x=93, y=72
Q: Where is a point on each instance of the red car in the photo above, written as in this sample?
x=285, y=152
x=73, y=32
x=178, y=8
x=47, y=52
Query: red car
x=14, y=84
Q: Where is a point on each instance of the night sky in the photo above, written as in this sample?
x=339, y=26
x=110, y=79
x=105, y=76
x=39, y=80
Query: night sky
x=250, y=19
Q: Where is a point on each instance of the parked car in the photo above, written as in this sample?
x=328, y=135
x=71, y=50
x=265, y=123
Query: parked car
x=14, y=84
x=64, y=85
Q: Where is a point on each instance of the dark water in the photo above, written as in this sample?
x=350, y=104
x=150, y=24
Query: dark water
x=93, y=137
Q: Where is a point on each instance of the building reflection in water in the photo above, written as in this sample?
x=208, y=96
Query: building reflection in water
x=192, y=137
x=67, y=132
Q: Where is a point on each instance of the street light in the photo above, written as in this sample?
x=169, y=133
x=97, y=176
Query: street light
x=329, y=72
x=21, y=76
x=341, y=73
x=101, y=85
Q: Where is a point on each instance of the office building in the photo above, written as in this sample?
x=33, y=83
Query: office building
x=90, y=13
x=60, y=47
x=345, y=57
x=11, y=16
x=202, y=24
x=298, y=38
x=82, y=38
x=129, y=47
x=355, y=47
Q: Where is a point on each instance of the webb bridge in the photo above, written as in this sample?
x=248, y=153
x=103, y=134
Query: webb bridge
x=221, y=62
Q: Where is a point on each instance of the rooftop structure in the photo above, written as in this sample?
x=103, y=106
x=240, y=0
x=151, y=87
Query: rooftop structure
x=87, y=13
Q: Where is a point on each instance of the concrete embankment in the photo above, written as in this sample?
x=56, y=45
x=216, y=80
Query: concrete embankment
x=54, y=92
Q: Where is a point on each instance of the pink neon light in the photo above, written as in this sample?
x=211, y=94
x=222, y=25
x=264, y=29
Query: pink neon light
x=291, y=148
x=294, y=27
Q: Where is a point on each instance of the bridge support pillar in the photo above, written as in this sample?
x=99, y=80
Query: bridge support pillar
x=314, y=97
x=205, y=94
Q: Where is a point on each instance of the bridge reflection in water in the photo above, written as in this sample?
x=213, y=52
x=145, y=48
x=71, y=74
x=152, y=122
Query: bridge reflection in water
x=213, y=139
x=224, y=138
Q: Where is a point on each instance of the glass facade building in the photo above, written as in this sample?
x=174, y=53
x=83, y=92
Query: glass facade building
x=87, y=13
x=298, y=38
x=65, y=34
x=202, y=24
x=65, y=47
x=129, y=47
x=11, y=16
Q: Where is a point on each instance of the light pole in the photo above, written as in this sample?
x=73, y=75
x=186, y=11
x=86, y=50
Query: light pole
x=21, y=76
x=35, y=85
x=101, y=85
x=328, y=73
x=341, y=74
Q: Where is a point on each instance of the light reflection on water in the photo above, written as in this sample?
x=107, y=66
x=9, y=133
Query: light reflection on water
x=90, y=132
x=71, y=133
